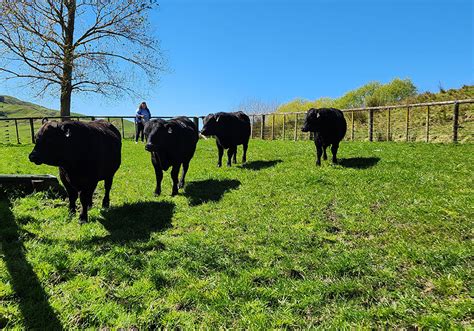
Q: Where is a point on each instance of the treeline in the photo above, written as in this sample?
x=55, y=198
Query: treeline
x=370, y=94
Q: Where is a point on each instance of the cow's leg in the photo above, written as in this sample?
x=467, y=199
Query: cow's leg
x=159, y=178
x=334, y=148
x=174, y=178
x=92, y=189
x=71, y=192
x=107, y=187
x=325, y=156
x=319, y=152
x=86, y=197
x=230, y=153
x=220, y=151
x=244, y=155
x=183, y=175
x=234, y=158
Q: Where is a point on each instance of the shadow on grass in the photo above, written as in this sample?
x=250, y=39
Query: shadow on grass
x=259, y=165
x=203, y=191
x=33, y=300
x=359, y=162
x=136, y=221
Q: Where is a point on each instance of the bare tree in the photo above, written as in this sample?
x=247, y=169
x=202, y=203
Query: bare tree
x=256, y=106
x=66, y=46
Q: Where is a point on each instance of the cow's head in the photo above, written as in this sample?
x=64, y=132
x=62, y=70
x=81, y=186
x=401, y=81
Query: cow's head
x=158, y=133
x=210, y=125
x=51, y=143
x=312, y=121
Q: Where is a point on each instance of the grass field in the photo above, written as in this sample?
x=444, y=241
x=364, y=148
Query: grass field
x=382, y=240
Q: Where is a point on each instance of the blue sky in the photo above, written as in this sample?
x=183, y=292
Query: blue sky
x=222, y=53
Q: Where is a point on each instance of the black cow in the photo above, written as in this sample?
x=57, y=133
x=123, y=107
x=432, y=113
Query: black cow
x=329, y=127
x=171, y=143
x=85, y=153
x=230, y=130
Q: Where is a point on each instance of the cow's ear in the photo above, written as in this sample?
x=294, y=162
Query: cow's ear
x=170, y=129
x=44, y=120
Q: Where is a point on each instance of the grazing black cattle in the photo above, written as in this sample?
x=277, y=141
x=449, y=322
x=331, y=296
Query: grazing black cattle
x=329, y=127
x=85, y=153
x=171, y=143
x=230, y=130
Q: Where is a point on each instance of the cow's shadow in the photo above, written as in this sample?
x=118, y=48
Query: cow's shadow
x=358, y=162
x=259, y=165
x=136, y=221
x=202, y=191
x=32, y=298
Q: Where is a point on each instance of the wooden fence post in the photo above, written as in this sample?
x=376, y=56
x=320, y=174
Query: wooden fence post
x=262, y=128
x=32, y=129
x=455, y=122
x=388, y=125
x=296, y=127
x=17, y=134
x=284, y=123
x=273, y=126
x=407, y=127
x=123, y=129
x=196, y=122
x=251, y=126
x=352, y=125
x=371, y=125
x=428, y=124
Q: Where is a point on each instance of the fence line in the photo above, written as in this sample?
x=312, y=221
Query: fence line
x=283, y=121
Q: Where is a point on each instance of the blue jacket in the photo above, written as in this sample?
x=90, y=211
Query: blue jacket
x=142, y=112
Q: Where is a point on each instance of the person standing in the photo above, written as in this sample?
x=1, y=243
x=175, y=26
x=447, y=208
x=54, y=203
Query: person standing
x=142, y=116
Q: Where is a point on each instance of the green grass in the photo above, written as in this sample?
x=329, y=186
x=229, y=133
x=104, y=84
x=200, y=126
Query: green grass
x=383, y=240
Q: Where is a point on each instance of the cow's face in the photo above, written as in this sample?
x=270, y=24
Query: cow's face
x=312, y=120
x=51, y=142
x=158, y=134
x=210, y=125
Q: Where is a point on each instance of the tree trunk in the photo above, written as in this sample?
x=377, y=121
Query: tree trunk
x=66, y=82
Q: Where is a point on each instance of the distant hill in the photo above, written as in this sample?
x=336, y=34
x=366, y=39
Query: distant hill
x=465, y=92
x=13, y=107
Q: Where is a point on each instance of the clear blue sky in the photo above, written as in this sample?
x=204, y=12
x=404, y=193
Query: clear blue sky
x=223, y=52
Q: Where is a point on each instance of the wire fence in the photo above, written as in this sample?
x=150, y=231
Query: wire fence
x=445, y=121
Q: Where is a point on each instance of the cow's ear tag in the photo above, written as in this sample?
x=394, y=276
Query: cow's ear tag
x=170, y=130
x=317, y=115
x=68, y=133
x=217, y=119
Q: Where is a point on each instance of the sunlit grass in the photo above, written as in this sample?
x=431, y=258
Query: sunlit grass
x=383, y=240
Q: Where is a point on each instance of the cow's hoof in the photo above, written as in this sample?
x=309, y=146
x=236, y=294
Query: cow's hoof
x=82, y=219
x=105, y=205
x=180, y=185
x=219, y=165
x=229, y=165
x=174, y=193
x=157, y=193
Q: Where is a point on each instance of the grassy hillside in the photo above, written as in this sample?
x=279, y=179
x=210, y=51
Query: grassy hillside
x=13, y=107
x=440, y=116
x=383, y=240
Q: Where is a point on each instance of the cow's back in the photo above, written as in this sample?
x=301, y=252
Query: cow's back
x=96, y=148
x=234, y=129
x=333, y=127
